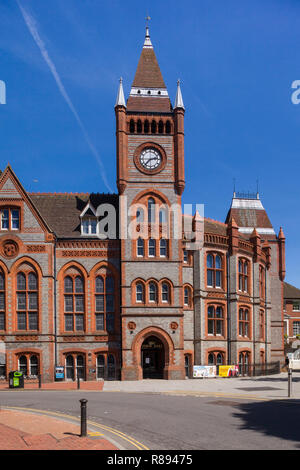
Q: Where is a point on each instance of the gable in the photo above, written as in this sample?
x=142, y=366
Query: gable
x=14, y=196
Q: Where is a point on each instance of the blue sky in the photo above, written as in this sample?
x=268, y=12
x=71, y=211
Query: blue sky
x=236, y=61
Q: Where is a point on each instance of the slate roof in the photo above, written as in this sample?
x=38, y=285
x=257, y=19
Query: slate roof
x=290, y=292
x=149, y=76
x=61, y=211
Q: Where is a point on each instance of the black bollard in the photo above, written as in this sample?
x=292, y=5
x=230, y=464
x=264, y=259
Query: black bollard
x=289, y=382
x=40, y=381
x=83, y=418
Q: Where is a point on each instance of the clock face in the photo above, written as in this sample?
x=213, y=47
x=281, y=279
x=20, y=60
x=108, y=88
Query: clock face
x=150, y=158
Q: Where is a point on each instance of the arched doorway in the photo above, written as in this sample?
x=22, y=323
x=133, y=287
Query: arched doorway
x=153, y=358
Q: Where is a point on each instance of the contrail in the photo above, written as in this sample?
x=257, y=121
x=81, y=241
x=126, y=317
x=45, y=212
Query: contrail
x=31, y=24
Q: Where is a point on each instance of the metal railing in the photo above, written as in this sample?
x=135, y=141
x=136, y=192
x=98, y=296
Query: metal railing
x=256, y=370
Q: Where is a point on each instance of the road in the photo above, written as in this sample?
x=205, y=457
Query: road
x=178, y=422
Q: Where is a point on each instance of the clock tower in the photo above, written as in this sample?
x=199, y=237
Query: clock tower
x=150, y=180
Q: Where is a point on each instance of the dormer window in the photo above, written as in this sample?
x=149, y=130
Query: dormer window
x=89, y=226
x=89, y=220
x=10, y=219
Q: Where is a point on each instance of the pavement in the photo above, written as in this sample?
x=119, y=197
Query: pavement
x=30, y=429
x=25, y=430
x=272, y=387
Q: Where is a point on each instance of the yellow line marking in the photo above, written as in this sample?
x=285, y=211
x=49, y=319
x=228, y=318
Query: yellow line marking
x=95, y=434
x=216, y=394
x=120, y=434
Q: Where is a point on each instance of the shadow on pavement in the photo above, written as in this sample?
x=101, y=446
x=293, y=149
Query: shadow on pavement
x=270, y=379
x=278, y=418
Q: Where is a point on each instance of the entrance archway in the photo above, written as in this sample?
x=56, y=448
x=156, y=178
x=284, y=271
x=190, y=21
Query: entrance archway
x=153, y=358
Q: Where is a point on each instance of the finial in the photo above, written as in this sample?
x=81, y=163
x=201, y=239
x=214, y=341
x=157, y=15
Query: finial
x=120, y=101
x=178, y=99
x=147, y=42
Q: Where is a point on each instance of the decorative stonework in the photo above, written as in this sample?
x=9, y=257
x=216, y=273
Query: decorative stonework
x=74, y=338
x=173, y=325
x=9, y=249
x=86, y=253
x=131, y=326
x=100, y=338
x=36, y=248
x=27, y=338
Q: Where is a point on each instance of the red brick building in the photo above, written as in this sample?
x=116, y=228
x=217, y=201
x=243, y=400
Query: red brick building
x=156, y=292
x=291, y=317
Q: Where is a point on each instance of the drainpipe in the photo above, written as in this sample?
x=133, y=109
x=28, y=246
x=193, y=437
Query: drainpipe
x=266, y=318
x=254, y=312
x=228, y=314
x=55, y=309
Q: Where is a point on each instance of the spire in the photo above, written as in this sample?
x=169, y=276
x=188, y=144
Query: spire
x=120, y=101
x=178, y=99
x=147, y=43
x=148, y=91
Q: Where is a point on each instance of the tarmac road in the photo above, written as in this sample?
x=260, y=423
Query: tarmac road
x=179, y=422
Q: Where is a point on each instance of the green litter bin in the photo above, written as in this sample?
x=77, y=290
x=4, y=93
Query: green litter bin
x=16, y=379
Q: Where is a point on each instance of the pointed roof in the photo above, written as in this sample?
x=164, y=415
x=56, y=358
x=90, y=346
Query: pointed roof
x=249, y=214
x=10, y=187
x=120, y=101
x=148, y=91
x=178, y=99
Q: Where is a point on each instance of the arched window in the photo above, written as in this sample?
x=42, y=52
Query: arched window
x=243, y=275
x=34, y=366
x=187, y=296
x=165, y=292
x=80, y=366
x=262, y=273
x=214, y=270
x=140, y=247
x=168, y=127
x=139, y=215
x=244, y=362
x=160, y=127
x=2, y=301
x=151, y=210
x=153, y=127
x=151, y=247
x=132, y=126
x=70, y=373
x=162, y=215
x=244, y=322
x=215, y=320
x=105, y=303
x=262, y=325
x=27, y=301
x=100, y=366
x=106, y=366
x=139, y=127
x=23, y=365
x=163, y=247
x=146, y=126
x=111, y=367
x=215, y=358
x=152, y=292
x=74, y=302
x=139, y=293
